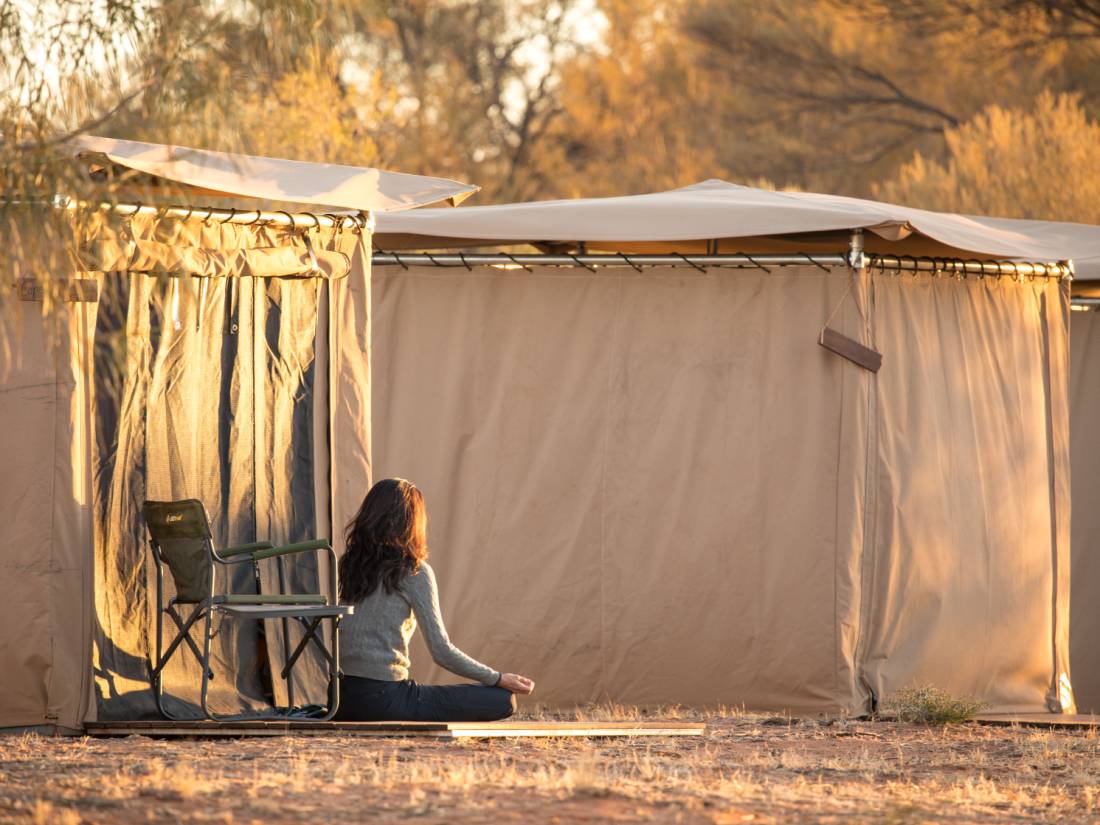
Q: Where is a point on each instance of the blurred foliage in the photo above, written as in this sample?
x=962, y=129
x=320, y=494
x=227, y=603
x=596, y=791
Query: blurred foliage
x=1042, y=163
x=946, y=103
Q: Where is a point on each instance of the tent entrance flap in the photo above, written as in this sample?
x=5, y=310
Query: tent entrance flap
x=192, y=406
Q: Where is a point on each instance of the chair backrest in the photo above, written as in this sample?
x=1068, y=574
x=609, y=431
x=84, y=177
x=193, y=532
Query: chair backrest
x=181, y=537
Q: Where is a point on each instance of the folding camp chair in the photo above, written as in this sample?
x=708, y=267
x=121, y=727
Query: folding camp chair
x=179, y=535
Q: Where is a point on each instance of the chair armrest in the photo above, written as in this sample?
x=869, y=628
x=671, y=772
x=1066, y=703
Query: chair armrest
x=242, y=549
x=286, y=549
x=300, y=547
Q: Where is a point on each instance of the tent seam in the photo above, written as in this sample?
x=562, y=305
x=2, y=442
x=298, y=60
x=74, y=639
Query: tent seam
x=869, y=516
x=1054, y=698
x=87, y=339
x=53, y=531
x=612, y=351
x=837, y=653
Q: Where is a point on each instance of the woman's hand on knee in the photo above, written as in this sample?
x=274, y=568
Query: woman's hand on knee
x=516, y=683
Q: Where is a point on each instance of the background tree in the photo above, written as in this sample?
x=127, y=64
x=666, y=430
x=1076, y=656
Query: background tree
x=853, y=89
x=1041, y=163
x=477, y=84
x=640, y=112
x=545, y=98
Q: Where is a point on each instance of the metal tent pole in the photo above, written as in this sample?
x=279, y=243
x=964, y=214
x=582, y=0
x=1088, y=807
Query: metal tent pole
x=591, y=261
x=856, y=256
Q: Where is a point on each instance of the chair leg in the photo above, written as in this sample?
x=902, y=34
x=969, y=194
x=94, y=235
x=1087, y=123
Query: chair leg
x=281, y=567
x=219, y=717
x=333, y=673
x=171, y=611
x=205, y=662
x=332, y=659
x=311, y=633
x=157, y=672
x=182, y=636
x=317, y=640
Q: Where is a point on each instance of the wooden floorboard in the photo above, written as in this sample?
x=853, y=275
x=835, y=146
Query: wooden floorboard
x=439, y=730
x=1061, y=721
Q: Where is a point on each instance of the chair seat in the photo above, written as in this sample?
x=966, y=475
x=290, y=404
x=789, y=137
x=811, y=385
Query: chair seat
x=263, y=611
x=289, y=598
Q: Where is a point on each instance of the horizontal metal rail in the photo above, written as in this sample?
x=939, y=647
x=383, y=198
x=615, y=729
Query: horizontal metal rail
x=210, y=214
x=884, y=263
x=247, y=217
x=967, y=267
x=594, y=261
x=1086, y=303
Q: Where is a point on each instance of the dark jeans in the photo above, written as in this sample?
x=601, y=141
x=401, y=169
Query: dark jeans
x=373, y=700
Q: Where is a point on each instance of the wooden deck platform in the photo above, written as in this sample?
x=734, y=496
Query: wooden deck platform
x=1058, y=721
x=439, y=730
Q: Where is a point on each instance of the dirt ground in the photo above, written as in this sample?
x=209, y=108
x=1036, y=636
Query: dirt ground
x=747, y=768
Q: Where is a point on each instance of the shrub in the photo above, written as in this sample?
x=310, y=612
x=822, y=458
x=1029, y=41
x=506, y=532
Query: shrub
x=928, y=705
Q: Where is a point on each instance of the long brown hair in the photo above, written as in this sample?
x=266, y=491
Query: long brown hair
x=386, y=541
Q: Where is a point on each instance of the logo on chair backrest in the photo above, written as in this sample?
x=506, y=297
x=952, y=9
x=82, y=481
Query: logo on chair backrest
x=174, y=517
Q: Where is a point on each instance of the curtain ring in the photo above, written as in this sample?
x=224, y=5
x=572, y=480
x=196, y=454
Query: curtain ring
x=681, y=256
x=528, y=269
x=629, y=262
x=803, y=254
x=752, y=260
x=232, y=214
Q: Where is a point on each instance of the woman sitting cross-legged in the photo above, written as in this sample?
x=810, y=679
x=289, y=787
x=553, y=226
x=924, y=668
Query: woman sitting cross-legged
x=385, y=573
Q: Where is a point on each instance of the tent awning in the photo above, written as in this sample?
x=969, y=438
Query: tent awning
x=715, y=209
x=228, y=174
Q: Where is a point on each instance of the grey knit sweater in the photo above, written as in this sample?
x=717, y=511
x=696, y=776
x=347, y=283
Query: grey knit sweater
x=375, y=638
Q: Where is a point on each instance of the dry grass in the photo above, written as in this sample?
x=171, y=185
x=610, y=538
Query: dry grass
x=748, y=768
x=928, y=705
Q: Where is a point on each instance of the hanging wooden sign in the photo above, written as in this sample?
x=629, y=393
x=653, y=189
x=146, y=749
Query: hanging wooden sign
x=850, y=349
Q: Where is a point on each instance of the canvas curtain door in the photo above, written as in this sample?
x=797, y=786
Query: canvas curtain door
x=967, y=584
x=1084, y=390
x=216, y=388
x=641, y=486
x=46, y=530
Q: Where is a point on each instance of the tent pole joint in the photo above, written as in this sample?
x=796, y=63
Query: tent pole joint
x=856, y=258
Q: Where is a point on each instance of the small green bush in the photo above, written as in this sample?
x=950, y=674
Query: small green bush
x=928, y=705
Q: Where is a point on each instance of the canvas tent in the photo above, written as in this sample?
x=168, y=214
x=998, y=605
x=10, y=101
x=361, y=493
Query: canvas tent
x=649, y=483
x=198, y=351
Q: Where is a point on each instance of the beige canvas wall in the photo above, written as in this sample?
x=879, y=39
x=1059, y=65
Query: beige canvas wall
x=963, y=571
x=46, y=530
x=642, y=487
x=651, y=487
x=1084, y=388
